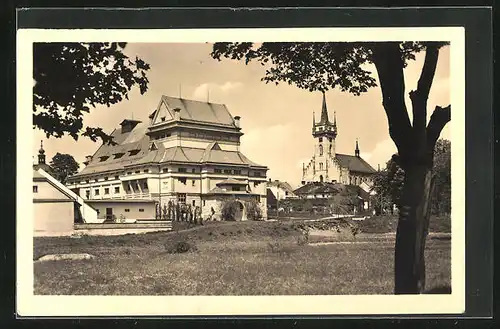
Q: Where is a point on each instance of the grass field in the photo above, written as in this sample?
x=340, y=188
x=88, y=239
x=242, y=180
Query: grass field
x=244, y=258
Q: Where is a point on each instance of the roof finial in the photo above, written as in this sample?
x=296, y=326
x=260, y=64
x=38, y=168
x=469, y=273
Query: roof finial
x=208, y=94
x=314, y=120
x=356, y=151
x=180, y=90
x=335, y=118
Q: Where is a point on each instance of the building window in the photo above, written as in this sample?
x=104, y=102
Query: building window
x=168, y=135
x=96, y=192
x=258, y=198
x=286, y=192
x=146, y=170
x=321, y=150
x=193, y=170
x=134, y=152
x=116, y=177
x=228, y=171
x=117, y=189
x=87, y=194
x=137, y=171
x=235, y=188
x=217, y=171
x=321, y=166
x=141, y=210
x=193, y=182
x=321, y=139
x=129, y=173
x=182, y=170
x=183, y=180
x=194, y=203
x=330, y=149
x=106, y=190
x=255, y=184
x=127, y=210
x=145, y=185
x=237, y=172
x=330, y=139
x=103, y=158
x=204, y=203
x=181, y=197
x=105, y=178
x=87, y=181
x=163, y=118
x=35, y=189
x=257, y=174
x=165, y=170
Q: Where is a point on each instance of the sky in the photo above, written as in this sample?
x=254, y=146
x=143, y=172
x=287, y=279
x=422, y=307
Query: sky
x=276, y=120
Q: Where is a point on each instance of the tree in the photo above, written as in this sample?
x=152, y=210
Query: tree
x=64, y=165
x=70, y=78
x=323, y=66
x=441, y=197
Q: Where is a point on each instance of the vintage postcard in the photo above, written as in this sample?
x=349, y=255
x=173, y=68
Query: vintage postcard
x=308, y=171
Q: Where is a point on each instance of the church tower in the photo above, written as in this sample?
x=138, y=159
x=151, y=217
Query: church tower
x=324, y=133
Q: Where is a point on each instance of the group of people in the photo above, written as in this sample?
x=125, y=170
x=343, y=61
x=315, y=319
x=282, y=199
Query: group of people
x=181, y=212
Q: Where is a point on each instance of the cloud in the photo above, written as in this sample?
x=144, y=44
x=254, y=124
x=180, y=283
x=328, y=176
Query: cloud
x=382, y=152
x=215, y=90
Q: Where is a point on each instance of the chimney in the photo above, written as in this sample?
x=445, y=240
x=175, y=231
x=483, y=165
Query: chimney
x=237, y=121
x=177, y=114
x=88, y=159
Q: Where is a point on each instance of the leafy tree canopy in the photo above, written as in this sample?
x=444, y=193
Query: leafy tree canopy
x=64, y=165
x=72, y=78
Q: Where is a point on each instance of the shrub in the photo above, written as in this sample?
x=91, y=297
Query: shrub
x=253, y=210
x=180, y=247
x=229, y=209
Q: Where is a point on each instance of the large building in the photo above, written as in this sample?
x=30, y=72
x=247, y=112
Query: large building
x=326, y=165
x=187, y=152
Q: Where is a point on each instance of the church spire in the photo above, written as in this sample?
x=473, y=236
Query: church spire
x=324, y=110
x=356, y=151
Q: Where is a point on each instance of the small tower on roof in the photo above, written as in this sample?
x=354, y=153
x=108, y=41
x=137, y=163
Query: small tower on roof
x=356, y=151
x=41, y=154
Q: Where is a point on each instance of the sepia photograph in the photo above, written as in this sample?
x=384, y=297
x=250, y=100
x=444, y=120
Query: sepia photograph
x=277, y=163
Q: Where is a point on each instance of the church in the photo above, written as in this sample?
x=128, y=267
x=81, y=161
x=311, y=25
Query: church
x=186, y=152
x=328, y=166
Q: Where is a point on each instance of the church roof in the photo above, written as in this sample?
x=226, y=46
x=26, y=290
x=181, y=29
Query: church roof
x=354, y=163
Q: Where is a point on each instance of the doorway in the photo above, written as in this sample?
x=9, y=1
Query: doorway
x=109, y=213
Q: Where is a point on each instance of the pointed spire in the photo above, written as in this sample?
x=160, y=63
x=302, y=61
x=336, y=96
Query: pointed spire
x=324, y=110
x=356, y=151
x=335, y=118
x=314, y=119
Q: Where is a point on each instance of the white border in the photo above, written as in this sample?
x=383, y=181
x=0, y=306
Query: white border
x=30, y=305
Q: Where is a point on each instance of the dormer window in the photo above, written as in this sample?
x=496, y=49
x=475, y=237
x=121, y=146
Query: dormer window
x=103, y=158
x=119, y=155
x=134, y=152
x=163, y=118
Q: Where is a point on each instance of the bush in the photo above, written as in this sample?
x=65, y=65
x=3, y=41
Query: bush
x=180, y=247
x=253, y=210
x=229, y=209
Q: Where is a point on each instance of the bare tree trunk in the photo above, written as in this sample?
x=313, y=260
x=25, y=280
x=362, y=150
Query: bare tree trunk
x=409, y=265
x=415, y=143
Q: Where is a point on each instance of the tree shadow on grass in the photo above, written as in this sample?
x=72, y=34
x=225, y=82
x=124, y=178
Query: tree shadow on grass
x=439, y=290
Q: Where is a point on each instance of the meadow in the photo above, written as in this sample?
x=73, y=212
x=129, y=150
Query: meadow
x=231, y=258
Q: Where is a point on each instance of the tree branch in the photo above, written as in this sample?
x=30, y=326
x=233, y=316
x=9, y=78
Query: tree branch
x=439, y=118
x=389, y=63
x=419, y=97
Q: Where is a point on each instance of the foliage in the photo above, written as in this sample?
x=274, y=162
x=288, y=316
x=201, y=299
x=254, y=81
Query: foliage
x=63, y=165
x=229, y=209
x=253, y=210
x=180, y=247
x=70, y=78
x=441, y=196
x=388, y=183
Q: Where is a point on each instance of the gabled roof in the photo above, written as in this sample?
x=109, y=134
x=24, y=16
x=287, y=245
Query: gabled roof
x=319, y=188
x=283, y=185
x=200, y=111
x=354, y=163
